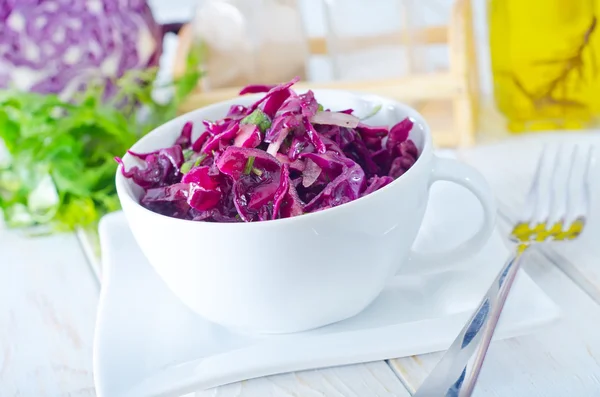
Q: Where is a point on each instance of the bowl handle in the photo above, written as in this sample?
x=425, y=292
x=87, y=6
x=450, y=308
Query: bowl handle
x=445, y=169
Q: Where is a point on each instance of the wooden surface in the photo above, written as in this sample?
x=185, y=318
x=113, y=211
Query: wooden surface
x=48, y=302
x=406, y=89
x=562, y=360
x=48, y=296
x=372, y=379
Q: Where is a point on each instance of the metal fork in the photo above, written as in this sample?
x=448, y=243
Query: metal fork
x=551, y=213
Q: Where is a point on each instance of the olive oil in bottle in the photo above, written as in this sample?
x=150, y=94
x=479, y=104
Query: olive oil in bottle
x=545, y=62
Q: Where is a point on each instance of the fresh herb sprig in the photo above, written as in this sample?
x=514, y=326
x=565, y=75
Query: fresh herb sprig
x=59, y=168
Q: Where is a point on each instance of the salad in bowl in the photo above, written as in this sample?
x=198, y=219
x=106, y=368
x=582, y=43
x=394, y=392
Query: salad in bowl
x=284, y=210
x=284, y=155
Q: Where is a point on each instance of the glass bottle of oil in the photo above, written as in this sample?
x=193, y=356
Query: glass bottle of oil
x=545, y=62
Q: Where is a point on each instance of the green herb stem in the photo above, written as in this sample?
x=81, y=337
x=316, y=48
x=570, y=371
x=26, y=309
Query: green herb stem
x=257, y=172
x=249, y=165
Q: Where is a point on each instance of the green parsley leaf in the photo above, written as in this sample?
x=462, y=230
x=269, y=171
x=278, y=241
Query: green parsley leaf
x=186, y=167
x=200, y=159
x=187, y=154
x=259, y=119
x=60, y=167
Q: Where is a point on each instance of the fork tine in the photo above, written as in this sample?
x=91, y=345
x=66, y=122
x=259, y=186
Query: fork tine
x=586, y=180
x=557, y=207
x=578, y=192
x=524, y=229
x=572, y=190
x=549, y=202
x=532, y=196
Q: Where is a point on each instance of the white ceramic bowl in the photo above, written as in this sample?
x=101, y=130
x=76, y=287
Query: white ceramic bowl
x=299, y=273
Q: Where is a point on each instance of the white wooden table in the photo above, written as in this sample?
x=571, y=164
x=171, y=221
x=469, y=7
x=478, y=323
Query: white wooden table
x=49, y=293
x=48, y=298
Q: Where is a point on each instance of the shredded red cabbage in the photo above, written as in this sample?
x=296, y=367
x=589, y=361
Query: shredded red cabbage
x=283, y=156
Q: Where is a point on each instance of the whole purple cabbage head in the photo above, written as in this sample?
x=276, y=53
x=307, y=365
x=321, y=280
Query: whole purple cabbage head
x=56, y=46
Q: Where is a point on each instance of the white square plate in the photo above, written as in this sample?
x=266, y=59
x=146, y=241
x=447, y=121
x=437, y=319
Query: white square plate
x=148, y=343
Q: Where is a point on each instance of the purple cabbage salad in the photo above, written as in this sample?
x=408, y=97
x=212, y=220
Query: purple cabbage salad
x=280, y=157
